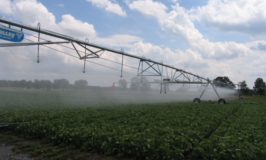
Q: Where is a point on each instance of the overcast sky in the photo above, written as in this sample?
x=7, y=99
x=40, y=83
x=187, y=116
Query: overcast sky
x=207, y=37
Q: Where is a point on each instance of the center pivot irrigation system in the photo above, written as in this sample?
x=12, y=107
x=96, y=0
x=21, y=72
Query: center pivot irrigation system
x=12, y=31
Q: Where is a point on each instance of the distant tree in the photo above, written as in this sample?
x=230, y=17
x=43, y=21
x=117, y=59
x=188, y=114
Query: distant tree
x=244, y=90
x=122, y=83
x=23, y=84
x=15, y=83
x=224, y=82
x=4, y=83
x=259, y=86
x=45, y=84
x=80, y=83
x=243, y=85
x=29, y=84
x=61, y=83
x=36, y=84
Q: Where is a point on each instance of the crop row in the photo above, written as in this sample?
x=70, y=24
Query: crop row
x=240, y=137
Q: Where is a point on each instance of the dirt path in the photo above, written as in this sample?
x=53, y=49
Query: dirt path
x=15, y=147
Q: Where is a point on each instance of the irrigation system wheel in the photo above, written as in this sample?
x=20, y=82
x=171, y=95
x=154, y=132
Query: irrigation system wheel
x=221, y=101
x=196, y=100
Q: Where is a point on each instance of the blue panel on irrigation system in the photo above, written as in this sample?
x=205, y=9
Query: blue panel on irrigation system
x=10, y=34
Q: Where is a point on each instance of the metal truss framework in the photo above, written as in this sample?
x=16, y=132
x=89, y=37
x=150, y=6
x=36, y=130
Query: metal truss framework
x=146, y=67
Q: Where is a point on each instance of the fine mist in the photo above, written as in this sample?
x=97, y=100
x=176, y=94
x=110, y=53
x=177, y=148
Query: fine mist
x=98, y=96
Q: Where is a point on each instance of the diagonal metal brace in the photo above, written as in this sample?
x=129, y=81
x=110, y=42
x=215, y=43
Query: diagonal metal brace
x=93, y=54
x=76, y=49
x=141, y=70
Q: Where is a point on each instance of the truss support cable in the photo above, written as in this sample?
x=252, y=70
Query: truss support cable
x=28, y=44
x=38, y=48
x=84, y=66
x=122, y=67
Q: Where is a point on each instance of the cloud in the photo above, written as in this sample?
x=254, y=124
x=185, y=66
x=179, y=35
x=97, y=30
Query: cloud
x=178, y=21
x=259, y=45
x=237, y=16
x=5, y=6
x=149, y=8
x=25, y=11
x=109, y=6
x=71, y=26
x=122, y=40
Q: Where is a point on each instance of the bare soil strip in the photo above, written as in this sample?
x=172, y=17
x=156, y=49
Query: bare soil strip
x=15, y=147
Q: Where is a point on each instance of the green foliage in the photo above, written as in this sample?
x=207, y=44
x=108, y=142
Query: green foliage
x=260, y=86
x=81, y=84
x=244, y=90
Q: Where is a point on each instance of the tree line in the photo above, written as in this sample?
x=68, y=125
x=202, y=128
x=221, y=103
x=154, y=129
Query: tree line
x=44, y=84
x=259, y=88
x=137, y=83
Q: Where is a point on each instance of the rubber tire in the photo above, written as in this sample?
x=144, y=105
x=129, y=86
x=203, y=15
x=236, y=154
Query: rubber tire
x=221, y=101
x=196, y=100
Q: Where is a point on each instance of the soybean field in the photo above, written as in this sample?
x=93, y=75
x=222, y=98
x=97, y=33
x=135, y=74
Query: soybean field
x=165, y=130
